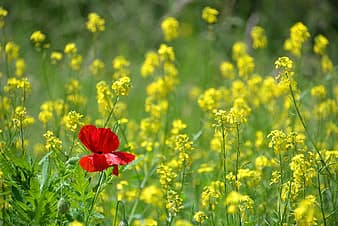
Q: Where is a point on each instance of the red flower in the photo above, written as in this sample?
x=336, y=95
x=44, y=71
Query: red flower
x=103, y=143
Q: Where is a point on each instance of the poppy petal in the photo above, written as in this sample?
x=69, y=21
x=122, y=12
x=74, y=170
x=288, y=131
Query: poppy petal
x=98, y=140
x=119, y=158
x=108, y=141
x=88, y=136
x=93, y=163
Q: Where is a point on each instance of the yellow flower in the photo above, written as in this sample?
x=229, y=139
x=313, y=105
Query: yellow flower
x=200, y=217
x=181, y=222
x=318, y=91
x=170, y=27
x=38, y=38
x=299, y=32
x=298, y=35
x=227, y=70
x=245, y=65
x=326, y=64
x=150, y=63
x=166, y=53
x=3, y=14
x=12, y=51
x=70, y=48
x=75, y=223
x=51, y=141
x=152, y=195
x=72, y=121
x=259, y=39
x=95, y=23
x=321, y=42
x=75, y=62
x=306, y=211
x=20, y=67
x=239, y=49
x=121, y=87
x=55, y=57
x=96, y=66
x=209, y=15
x=120, y=62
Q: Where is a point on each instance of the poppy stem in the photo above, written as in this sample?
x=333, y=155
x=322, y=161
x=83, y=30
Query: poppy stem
x=95, y=197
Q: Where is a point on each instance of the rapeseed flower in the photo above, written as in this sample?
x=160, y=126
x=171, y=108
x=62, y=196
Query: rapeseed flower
x=305, y=213
x=55, y=57
x=259, y=39
x=227, y=70
x=121, y=87
x=51, y=141
x=12, y=51
x=95, y=23
x=321, y=42
x=20, y=67
x=170, y=26
x=38, y=38
x=3, y=14
x=96, y=66
x=209, y=15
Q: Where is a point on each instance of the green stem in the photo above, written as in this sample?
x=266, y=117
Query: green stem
x=95, y=197
x=146, y=176
x=224, y=168
x=111, y=112
x=236, y=170
x=237, y=157
x=116, y=211
x=307, y=131
x=280, y=189
x=321, y=198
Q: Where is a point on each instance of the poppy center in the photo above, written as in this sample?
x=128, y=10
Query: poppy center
x=99, y=152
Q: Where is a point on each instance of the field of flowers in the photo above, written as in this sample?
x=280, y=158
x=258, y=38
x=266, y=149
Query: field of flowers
x=204, y=127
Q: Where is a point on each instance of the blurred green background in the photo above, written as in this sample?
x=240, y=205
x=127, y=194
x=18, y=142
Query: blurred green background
x=132, y=26
x=133, y=29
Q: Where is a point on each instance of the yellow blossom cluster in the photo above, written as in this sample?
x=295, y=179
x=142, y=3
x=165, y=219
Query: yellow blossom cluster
x=170, y=27
x=95, y=23
x=298, y=35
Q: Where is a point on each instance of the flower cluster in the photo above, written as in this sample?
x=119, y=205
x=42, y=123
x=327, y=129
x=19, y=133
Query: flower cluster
x=170, y=26
x=298, y=35
x=259, y=39
x=209, y=15
x=95, y=23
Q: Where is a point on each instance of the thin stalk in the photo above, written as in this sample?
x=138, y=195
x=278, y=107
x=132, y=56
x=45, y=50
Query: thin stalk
x=321, y=198
x=146, y=176
x=237, y=156
x=224, y=159
x=307, y=131
x=236, y=169
x=116, y=211
x=95, y=198
x=224, y=168
x=111, y=111
x=280, y=189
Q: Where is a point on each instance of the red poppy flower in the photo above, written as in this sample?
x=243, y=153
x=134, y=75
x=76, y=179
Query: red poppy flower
x=103, y=143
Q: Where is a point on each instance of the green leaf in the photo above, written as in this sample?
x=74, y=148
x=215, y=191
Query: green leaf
x=133, y=163
x=44, y=174
x=44, y=158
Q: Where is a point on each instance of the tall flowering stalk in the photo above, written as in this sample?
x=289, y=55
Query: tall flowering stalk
x=285, y=65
